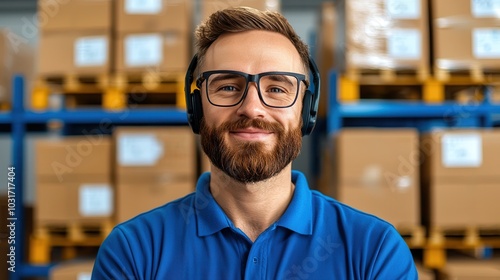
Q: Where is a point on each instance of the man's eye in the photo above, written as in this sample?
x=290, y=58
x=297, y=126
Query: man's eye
x=276, y=90
x=228, y=88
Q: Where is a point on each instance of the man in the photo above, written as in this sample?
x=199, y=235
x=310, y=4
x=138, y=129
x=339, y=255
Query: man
x=252, y=217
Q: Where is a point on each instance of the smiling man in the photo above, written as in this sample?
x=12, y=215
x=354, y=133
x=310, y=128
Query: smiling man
x=252, y=217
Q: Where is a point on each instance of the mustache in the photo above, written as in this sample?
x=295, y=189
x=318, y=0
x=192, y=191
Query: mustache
x=256, y=123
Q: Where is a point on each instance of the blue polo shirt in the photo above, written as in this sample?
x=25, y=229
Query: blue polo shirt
x=316, y=238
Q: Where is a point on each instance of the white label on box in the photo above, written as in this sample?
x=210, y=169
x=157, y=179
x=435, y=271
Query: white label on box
x=139, y=150
x=403, y=9
x=485, y=8
x=462, y=150
x=143, y=6
x=486, y=42
x=84, y=276
x=95, y=200
x=91, y=51
x=143, y=50
x=404, y=43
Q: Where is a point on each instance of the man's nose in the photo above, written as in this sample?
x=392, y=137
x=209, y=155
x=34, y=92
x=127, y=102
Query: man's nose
x=252, y=106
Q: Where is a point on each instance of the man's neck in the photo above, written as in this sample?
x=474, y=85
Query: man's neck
x=252, y=207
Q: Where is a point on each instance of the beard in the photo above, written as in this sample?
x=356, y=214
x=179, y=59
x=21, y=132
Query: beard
x=250, y=162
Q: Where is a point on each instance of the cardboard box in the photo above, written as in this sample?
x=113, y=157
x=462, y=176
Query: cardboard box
x=73, y=180
x=74, y=15
x=160, y=52
x=383, y=36
x=326, y=51
x=81, y=270
x=378, y=172
x=424, y=273
x=455, y=12
x=133, y=16
x=169, y=151
x=459, y=205
x=470, y=270
x=6, y=67
x=79, y=53
x=209, y=7
x=461, y=182
x=89, y=201
x=495, y=94
x=154, y=165
x=465, y=35
x=469, y=48
x=138, y=195
x=462, y=155
x=16, y=58
x=73, y=158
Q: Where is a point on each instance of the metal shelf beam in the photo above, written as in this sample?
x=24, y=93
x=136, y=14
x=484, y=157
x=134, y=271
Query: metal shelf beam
x=136, y=116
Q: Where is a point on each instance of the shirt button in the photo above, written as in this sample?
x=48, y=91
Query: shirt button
x=255, y=260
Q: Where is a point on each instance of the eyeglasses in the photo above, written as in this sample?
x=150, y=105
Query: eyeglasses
x=226, y=88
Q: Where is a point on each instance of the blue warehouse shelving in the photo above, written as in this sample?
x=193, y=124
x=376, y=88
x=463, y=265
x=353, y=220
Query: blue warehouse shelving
x=19, y=119
x=424, y=116
x=418, y=114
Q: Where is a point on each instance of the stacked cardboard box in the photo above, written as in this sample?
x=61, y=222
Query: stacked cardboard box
x=81, y=270
x=470, y=270
x=461, y=182
x=153, y=35
x=6, y=64
x=424, y=273
x=378, y=172
x=16, y=57
x=466, y=34
x=211, y=6
x=326, y=50
x=385, y=34
x=495, y=94
x=73, y=181
x=154, y=165
x=75, y=37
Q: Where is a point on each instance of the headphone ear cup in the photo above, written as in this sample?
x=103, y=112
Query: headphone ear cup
x=196, y=111
x=308, y=120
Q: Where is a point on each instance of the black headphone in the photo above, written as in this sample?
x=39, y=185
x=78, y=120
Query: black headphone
x=309, y=110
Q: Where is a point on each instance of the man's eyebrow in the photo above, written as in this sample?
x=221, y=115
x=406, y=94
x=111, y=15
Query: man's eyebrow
x=280, y=78
x=224, y=76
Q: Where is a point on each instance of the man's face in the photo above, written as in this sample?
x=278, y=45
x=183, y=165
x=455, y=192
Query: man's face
x=252, y=142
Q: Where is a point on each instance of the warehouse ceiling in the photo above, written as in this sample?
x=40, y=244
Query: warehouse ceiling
x=27, y=5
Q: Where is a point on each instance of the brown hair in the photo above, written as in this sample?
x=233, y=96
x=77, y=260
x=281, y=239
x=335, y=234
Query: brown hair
x=241, y=19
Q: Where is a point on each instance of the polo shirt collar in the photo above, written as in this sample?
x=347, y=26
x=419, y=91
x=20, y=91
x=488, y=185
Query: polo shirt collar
x=298, y=215
x=210, y=217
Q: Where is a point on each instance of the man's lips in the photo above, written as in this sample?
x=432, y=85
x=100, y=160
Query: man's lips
x=251, y=133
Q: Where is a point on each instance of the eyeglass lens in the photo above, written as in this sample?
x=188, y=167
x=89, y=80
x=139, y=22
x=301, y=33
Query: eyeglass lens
x=228, y=89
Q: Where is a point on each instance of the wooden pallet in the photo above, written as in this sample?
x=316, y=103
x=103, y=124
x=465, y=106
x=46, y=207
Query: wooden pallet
x=357, y=84
x=5, y=106
x=465, y=86
x=474, y=75
x=67, y=237
x=112, y=92
x=151, y=88
x=414, y=236
x=465, y=238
